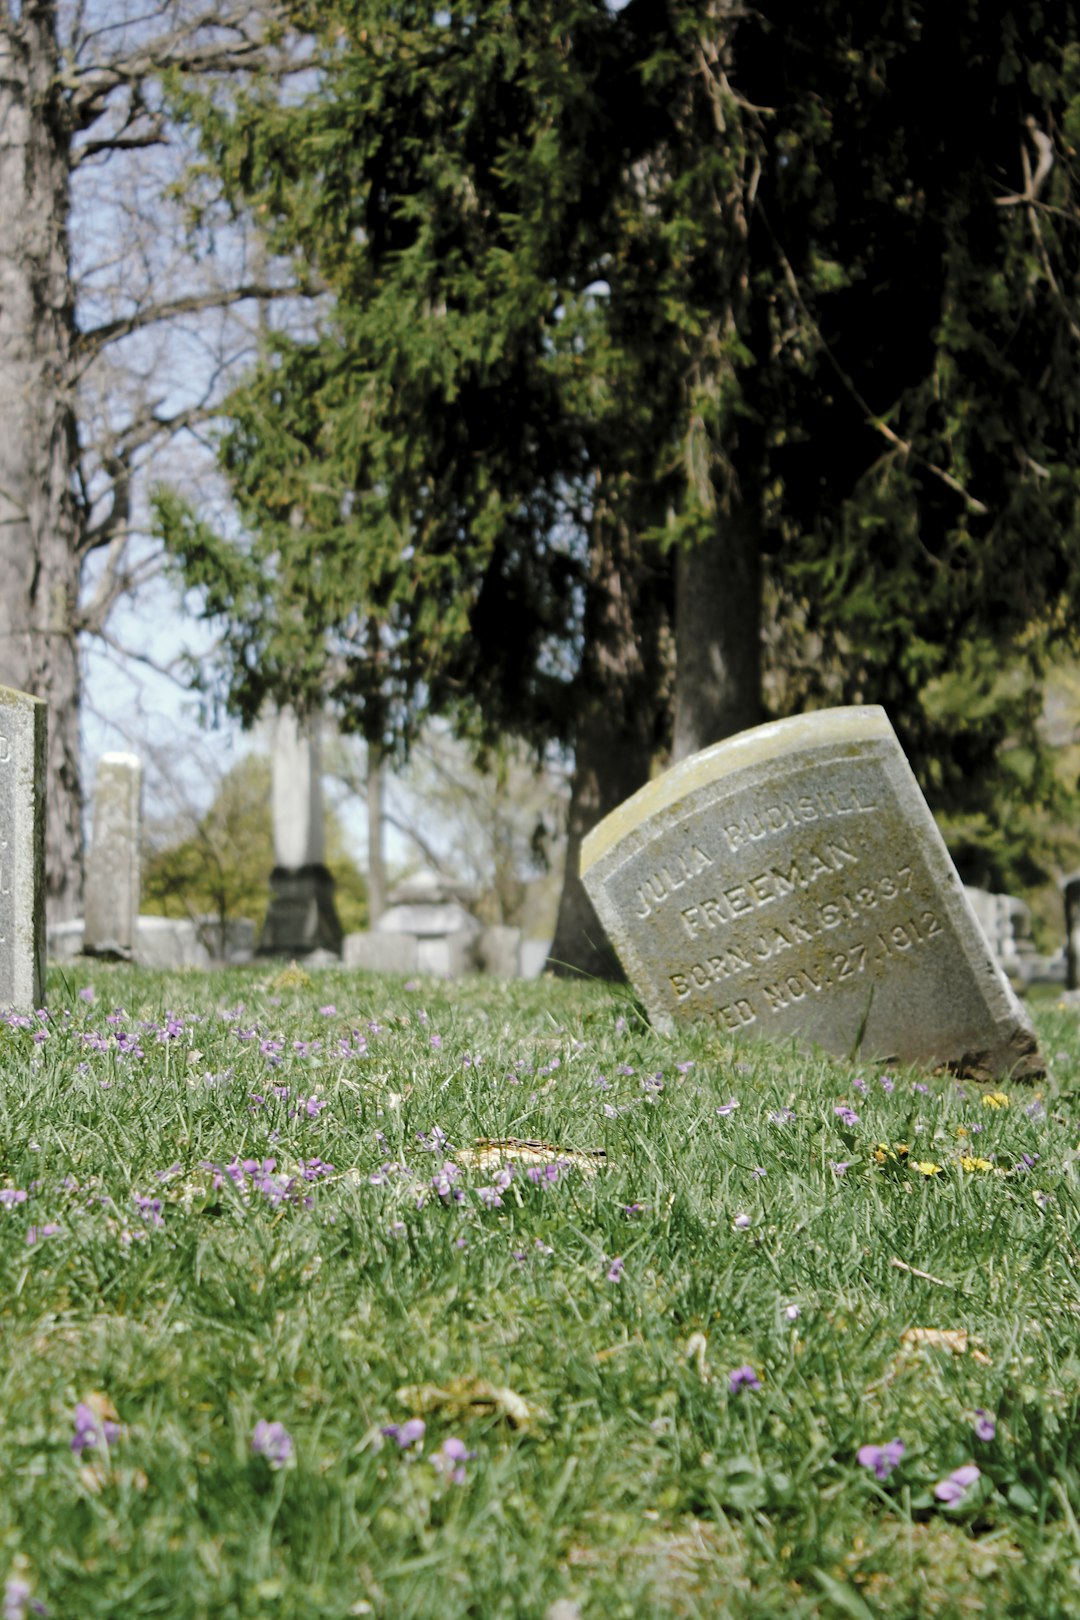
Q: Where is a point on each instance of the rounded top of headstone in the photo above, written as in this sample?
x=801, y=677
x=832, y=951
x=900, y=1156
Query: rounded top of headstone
x=855, y=725
x=120, y=757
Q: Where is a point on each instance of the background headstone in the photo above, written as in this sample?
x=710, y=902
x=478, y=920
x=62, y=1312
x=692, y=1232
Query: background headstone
x=169, y=943
x=22, y=850
x=112, y=876
x=381, y=953
x=792, y=881
x=301, y=917
x=430, y=909
x=498, y=951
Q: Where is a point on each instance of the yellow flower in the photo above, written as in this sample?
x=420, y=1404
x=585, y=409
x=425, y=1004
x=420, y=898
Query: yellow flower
x=968, y=1163
x=961, y=1131
x=927, y=1167
x=883, y=1152
x=995, y=1099
x=901, y=1150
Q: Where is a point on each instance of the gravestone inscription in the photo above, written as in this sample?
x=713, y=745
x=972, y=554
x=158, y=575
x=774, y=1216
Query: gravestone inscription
x=22, y=850
x=791, y=881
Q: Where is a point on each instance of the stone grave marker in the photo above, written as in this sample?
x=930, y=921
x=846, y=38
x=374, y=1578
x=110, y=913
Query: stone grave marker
x=22, y=850
x=301, y=919
x=791, y=881
x=112, y=872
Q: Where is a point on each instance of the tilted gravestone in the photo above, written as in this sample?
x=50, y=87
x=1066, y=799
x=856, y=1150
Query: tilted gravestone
x=112, y=874
x=22, y=850
x=791, y=881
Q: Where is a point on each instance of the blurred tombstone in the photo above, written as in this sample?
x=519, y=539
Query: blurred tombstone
x=430, y=909
x=498, y=952
x=23, y=722
x=301, y=918
x=112, y=876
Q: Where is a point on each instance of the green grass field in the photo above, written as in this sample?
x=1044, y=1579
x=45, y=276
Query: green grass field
x=281, y=1339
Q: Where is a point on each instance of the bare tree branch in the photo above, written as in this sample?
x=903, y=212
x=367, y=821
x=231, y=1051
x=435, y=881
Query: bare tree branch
x=91, y=342
x=229, y=44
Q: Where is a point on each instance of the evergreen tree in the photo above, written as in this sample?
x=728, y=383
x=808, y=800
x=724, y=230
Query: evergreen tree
x=777, y=293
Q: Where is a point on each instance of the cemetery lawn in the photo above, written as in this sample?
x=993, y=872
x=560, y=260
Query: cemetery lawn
x=747, y=1332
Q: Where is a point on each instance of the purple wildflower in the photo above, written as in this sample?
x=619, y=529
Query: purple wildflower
x=489, y=1197
x=959, y=1482
x=12, y=1195
x=616, y=1268
x=272, y=1441
x=149, y=1209
x=782, y=1116
x=846, y=1116
x=741, y=1221
x=839, y=1167
x=759, y=1172
x=881, y=1460
x=329, y=1011
x=728, y=1107
x=743, y=1377
x=90, y=1430
x=450, y=1460
x=984, y=1426
x=33, y=1233
x=407, y=1434
x=17, y=1600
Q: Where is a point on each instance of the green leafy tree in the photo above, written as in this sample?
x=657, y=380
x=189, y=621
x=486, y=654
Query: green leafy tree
x=781, y=298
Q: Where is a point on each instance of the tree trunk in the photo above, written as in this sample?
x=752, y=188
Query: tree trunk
x=39, y=517
x=718, y=636
x=616, y=732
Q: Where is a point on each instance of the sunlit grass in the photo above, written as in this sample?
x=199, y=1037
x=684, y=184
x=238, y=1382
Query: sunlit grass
x=889, y=1258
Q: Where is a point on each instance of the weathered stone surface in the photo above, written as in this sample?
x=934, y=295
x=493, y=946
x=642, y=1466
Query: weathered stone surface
x=448, y=956
x=381, y=953
x=498, y=952
x=22, y=850
x=791, y=881
x=169, y=943
x=112, y=875
x=427, y=921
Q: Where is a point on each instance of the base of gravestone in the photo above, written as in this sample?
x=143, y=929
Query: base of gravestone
x=301, y=917
x=109, y=950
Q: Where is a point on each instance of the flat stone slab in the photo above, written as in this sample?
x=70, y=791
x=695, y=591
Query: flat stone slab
x=791, y=881
x=22, y=850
